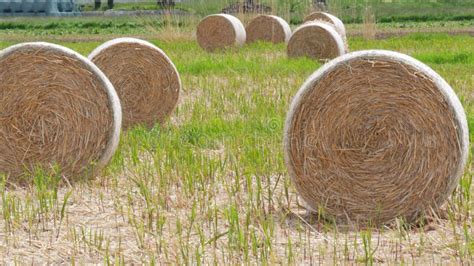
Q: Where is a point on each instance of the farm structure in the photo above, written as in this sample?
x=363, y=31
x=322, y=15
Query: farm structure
x=47, y=7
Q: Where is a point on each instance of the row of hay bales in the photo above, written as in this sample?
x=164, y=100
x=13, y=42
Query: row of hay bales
x=371, y=135
x=64, y=112
x=221, y=31
x=322, y=35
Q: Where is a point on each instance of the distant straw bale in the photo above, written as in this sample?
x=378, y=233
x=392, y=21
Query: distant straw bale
x=145, y=79
x=331, y=19
x=318, y=40
x=268, y=28
x=220, y=31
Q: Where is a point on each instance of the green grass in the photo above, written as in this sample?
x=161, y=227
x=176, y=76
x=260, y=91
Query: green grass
x=211, y=187
x=403, y=10
x=123, y=6
x=352, y=11
x=81, y=26
x=102, y=28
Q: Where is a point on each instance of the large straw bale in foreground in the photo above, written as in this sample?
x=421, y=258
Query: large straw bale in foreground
x=375, y=135
x=57, y=109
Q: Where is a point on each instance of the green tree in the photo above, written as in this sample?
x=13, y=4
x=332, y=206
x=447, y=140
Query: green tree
x=166, y=3
x=97, y=4
x=110, y=4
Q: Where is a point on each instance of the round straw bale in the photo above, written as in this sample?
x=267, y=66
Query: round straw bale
x=268, y=28
x=217, y=32
x=323, y=16
x=58, y=110
x=331, y=19
x=318, y=40
x=145, y=79
x=375, y=135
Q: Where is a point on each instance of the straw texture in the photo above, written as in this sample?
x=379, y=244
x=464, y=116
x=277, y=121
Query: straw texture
x=333, y=20
x=145, y=79
x=57, y=109
x=221, y=31
x=318, y=40
x=269, y=29
x=375, y=135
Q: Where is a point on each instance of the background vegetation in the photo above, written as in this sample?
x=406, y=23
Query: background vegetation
x=351, y=11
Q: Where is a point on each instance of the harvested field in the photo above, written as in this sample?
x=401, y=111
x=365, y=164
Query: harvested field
x=210, y=186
